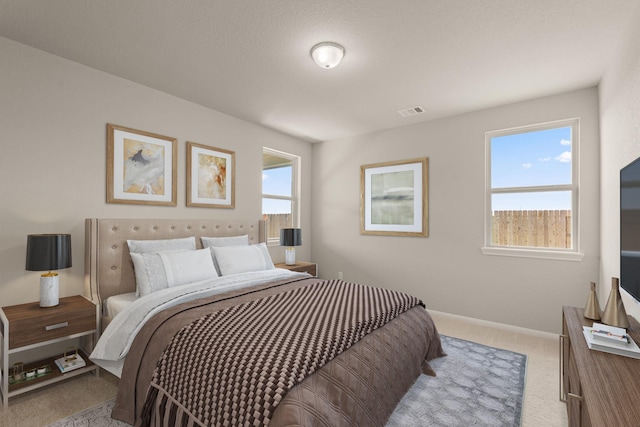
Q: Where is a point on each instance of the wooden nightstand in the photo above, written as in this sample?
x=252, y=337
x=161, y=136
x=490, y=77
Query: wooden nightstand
x=301, y=266
x=28, y=326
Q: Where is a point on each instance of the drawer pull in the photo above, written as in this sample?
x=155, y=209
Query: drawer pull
x=56, y=326
x=563, y=394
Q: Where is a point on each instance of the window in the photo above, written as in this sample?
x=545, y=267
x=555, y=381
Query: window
x=532, y=191
x=280, y=199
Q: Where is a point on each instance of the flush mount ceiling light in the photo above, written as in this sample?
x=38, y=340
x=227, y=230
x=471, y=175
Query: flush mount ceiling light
x=327, y=54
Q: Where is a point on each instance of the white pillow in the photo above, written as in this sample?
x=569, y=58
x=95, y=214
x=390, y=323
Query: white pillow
x=242, y=259
x=163, y=245
x=211, y=242
x=155, y=271
x=160, y=245
x=217, y=242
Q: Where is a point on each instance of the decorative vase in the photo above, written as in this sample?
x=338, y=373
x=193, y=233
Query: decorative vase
x=614, y=313
x=592, y=309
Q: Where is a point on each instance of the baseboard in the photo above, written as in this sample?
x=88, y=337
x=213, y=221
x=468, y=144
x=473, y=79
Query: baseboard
x=496, y=325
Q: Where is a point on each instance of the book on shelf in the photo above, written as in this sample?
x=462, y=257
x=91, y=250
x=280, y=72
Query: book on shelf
x=69, y=362
x=610, y=339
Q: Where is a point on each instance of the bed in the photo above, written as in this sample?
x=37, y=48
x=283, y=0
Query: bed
x=322, y=352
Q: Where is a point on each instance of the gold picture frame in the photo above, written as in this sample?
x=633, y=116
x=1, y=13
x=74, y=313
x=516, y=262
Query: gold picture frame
x=141, y=167
x=211, y=176
x=394, y=198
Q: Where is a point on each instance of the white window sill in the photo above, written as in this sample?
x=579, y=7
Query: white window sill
x=273, y=242
x=533, y=253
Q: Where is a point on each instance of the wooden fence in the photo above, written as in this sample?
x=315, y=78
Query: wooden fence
x=551, y=229
x=275, y=222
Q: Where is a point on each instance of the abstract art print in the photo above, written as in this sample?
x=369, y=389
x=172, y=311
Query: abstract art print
x=393, y=198
x=210, y=176
x=141, y=167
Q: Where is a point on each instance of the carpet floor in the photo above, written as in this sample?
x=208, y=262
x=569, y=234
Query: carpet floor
x=476, y=385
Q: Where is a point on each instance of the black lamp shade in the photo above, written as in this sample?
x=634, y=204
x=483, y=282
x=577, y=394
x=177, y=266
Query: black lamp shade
x=46, y=252
x=290, y=237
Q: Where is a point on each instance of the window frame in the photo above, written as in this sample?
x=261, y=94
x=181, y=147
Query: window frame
x=295, y=189
x=566, y=254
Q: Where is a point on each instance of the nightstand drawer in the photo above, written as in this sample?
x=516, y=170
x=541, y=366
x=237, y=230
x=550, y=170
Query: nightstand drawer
x=31, y=324
x=311, y=269
x=302, y=267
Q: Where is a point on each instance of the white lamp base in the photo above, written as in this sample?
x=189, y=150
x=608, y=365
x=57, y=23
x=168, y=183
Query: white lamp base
x=290, y=256
x=49, y=290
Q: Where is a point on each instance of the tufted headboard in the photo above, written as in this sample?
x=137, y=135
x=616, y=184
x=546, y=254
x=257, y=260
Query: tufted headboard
x=108, y=266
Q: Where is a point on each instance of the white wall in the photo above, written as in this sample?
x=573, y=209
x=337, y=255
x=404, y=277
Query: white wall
x=53, y=116
x=447, y=269
x=620, y=145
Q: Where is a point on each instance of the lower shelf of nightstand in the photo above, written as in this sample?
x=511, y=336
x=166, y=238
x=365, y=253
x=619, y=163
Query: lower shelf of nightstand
x=51, y=377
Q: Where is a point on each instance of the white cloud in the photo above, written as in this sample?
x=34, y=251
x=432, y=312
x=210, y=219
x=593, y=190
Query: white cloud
x=565, y=142
x=564, y=157
x=545, y=159
x=526, y=165
x=264, y=176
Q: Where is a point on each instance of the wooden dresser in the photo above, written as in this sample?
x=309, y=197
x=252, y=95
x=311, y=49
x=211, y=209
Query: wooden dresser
x=600, y=389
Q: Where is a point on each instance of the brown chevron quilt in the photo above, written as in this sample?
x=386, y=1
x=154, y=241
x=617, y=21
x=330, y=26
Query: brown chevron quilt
x=306, y=352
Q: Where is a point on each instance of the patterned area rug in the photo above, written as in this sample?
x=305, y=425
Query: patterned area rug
x=476, y=386
x=98, y=416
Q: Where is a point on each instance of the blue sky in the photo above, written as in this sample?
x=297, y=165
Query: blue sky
x=277, y=182
x=532, y=159
x=520, y=160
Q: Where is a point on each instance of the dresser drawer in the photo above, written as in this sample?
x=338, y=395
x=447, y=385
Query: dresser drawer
x=31, y=324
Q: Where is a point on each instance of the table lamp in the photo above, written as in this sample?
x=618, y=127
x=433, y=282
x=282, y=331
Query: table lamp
x=290, y=237
x=47, y=252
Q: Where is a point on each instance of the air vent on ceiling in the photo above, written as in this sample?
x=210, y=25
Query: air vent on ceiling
x=411, y=111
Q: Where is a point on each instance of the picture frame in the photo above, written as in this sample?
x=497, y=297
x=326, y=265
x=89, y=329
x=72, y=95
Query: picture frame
x=394, y=198
x=141, y=167
x=211, y=176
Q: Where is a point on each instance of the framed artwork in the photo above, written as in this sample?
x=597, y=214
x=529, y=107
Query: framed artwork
x=211, y=176
x=141, y=167
x=394, y=198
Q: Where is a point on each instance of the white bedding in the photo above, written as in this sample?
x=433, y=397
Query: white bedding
x=115, y=341
x=115, y=304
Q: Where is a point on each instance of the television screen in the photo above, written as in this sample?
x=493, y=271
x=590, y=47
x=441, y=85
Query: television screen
x=630, y=228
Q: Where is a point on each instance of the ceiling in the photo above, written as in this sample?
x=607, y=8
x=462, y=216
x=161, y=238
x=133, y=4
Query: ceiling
x=250, y=59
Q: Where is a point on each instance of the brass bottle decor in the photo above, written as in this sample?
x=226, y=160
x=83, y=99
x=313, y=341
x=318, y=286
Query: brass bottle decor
x=614, y=313
x=592, y=309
